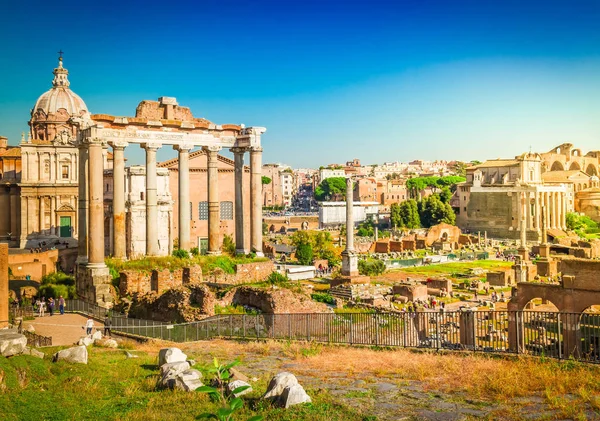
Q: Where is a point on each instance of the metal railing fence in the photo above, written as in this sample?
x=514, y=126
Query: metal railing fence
x=549, y=334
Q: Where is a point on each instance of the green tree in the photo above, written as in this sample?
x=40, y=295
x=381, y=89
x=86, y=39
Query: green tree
x=445, y=195
x=405, y=214
x=433, y=211
x=266, y=180
x=332, y=188
x=304, y=254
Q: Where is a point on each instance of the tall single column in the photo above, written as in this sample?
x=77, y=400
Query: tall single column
x=256, y=200
x=350, y=216
x=238, y=155
x=184, y=195
x=561, y=216
x=214, y=231
x=83, y=204
x=118, y=225
x=546, y=220
x=554, y=200
x=151, y=199
x=538, y=211
x=96, y=211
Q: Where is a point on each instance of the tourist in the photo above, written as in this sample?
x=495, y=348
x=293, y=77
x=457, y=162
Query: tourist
x=51, y=305
x=89, y=325
x=476, y=296
x=41, y=306
x=107, y=325
x=502, y=294
x=61, y=305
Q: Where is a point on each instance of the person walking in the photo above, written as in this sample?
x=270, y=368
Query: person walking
x=41, y=306
x=61, y=305
x=89, y=325
x=51, y=305
x=107, y=325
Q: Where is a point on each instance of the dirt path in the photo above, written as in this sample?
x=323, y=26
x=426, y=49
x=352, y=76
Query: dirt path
x=64, y=329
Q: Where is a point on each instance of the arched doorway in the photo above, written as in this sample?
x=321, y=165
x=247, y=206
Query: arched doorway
x=540, y=328
x=575, y=166
x=557, y=166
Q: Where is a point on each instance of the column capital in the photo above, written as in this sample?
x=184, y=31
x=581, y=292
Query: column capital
x=119, y=144
x=153, y=146
x=212, y=148
x=183, y=147
x=94, y=141
x=256, y=131
x=238, y=150
x=255, y=149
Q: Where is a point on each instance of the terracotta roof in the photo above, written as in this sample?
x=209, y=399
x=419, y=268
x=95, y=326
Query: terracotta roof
x=11, y=153
x=497, y=163
x=562, y=176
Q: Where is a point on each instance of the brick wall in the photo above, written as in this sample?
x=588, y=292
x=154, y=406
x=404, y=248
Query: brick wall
x=500, y=278
x=35, y=265
x=258, y=271
x=158, y=280
x=396, y=246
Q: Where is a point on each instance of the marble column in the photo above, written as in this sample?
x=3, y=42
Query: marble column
x=559, y=205
x=118, y=223
x=83, y=204
x=349, y=257
x=96, y=204
x=214, y=217
x=238, y=154
x=151, y=199
x=256, y=200
x=184, y=195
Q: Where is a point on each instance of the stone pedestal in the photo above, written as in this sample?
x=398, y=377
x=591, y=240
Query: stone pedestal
x=94, y=283
x=3, y=285
x=468, y=329
x=349, y=263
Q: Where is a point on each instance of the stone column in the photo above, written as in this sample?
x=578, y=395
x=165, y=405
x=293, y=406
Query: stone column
x=255, y=200
x=349, y=215
x=118, y=223
x=563, y=210
x=554, y=200
x=214, y=230
x=53, y=230
x=96, y=221
x=546, y=220
x=560, y=212
x=184, y=195
x=42, y=209
x=151, y=199
x=538, y=212
x=238, y=154
x=24, y=222
x=83, y=204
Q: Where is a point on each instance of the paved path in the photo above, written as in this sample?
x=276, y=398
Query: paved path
x=64, y=329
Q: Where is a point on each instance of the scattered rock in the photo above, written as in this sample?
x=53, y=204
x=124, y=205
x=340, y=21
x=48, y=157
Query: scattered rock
x=170, y=355
x=34, y=353
x=191, y=362
x=30, y=328
x=189, y=380
x=278, y=383
x=293, y=395
x=178, y=375
x=237, y=375
x=11, y=343
x=76, y=354
x=97, y=335
x=107, y=343
x=85, y=341
x=130, y=355
x=231, y=386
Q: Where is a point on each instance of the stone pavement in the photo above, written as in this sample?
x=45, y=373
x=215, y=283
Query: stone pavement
x=64, y=329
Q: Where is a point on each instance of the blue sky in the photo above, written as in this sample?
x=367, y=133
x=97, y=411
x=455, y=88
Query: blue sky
x=331, y=80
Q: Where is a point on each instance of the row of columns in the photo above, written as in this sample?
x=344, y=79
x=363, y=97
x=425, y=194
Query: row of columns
x=91, y=211
x=554, y=204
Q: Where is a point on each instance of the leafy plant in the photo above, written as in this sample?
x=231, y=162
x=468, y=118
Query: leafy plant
x=276, y=278
x=195, y=251
x=230, y=403
x=323, y=297
x=181, y=253
x=228, y=245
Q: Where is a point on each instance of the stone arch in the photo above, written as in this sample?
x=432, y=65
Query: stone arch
x=591, y=170
x=557, y=166
x=540, y=304
x=588, y=334
x=575, y=166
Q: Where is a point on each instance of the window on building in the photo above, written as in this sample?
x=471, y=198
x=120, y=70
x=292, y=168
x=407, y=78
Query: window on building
x=65, y=172
x=226, y=209
x=203, y=211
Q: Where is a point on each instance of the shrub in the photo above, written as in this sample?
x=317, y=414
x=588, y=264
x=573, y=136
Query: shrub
x=276, y=278
x=56, y=290
x=58, y=278
x=181, y=253
x=322, y=297
x=195, y=251
x=304, y=254
x=228, y=245
x=371, y=267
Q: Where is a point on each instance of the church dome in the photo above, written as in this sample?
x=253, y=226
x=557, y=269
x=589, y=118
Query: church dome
x=59, y=103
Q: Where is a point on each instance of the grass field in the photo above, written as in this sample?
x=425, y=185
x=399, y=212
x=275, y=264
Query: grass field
x=452, y=270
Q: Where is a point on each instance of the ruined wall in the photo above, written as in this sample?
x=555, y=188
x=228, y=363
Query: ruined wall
x=411, y=291
x=501, y=278
x=250, y=272
x=36, y=265
x=396, y=246
x=440, y=284
x=382, y=247
x=274, y=300
x=131, y=281
x=585, y=273
x=159, y=281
